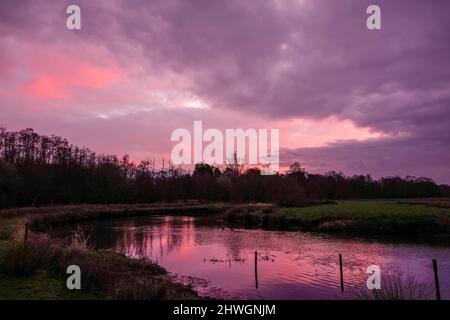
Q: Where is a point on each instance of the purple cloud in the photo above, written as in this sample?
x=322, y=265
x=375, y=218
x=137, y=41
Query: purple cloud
x=273, y=60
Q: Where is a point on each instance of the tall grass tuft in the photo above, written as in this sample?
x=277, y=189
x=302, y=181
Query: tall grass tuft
x=23, y=260
x=398, y=287
x=79, y=242
x=139, y=288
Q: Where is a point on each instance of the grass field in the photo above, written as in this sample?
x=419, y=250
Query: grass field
x=41, y=286
x=367, y=209
x=381, y=217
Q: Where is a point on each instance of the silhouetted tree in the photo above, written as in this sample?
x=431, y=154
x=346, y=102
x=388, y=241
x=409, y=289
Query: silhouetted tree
x=40, y=170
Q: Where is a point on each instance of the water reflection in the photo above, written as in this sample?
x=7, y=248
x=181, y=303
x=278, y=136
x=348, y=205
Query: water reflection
x=220, y=261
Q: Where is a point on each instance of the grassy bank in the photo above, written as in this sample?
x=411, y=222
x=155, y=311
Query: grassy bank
x=371, y=217
x=37, y=270
x=39, y=284
x=41, y=217
x=421, y=217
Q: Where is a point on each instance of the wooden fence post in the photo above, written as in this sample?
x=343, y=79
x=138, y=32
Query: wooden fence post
x=342, y=272
x=436, y=280
x=256, y=269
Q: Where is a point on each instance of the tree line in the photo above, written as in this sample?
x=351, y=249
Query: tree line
x=44, y=170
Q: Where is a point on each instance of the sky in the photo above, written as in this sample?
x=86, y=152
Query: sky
x=345, y=98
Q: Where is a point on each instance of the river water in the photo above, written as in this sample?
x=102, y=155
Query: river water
x=219, y=261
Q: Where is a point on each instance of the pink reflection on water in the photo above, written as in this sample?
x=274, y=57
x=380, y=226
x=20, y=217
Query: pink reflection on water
x=219, y=261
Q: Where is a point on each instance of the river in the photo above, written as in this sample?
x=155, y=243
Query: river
x=219, y=261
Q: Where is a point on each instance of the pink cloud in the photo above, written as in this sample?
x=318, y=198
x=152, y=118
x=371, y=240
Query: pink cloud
x=65, y=75
x=45, y=87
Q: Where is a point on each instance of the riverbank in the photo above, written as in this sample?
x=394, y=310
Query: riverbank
x=36, y=269
x=418, y=217
x=51, y=215
x=424, y=219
